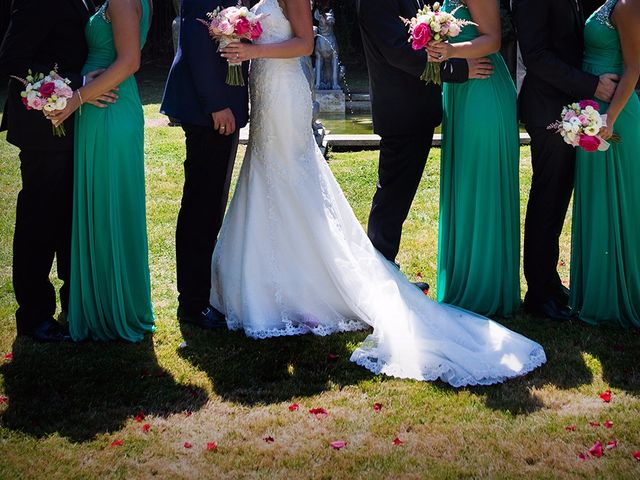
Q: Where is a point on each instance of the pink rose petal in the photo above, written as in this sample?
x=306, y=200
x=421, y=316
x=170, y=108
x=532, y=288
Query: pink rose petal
x=337, y=445
x=596, y=450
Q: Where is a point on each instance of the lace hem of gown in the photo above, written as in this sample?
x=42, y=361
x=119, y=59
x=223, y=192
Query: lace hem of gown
x=299, y=328
x=367, y=358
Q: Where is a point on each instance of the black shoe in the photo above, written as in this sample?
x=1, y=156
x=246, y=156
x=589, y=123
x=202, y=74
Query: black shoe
x=50, y=331
x=562, y=297
x=208, y=319
x=550, y=309
x=424, y=286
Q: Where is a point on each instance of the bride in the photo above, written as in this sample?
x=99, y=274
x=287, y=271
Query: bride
x=292, y=258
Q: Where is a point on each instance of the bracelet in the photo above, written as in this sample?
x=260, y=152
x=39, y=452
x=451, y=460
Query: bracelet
x=81, y=100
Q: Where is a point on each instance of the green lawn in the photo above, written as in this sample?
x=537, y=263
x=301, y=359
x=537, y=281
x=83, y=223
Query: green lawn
x=62, y=407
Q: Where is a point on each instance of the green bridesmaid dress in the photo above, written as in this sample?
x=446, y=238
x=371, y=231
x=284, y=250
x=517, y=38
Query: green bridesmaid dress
x=479, y=243
x=605, y=260
x=110, y=281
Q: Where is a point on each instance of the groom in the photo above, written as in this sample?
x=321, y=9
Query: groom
x=405, y=112
x=211, y=114
x=550, y=33
x=44, y=209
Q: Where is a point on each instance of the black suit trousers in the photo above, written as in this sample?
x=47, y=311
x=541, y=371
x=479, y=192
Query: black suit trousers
x=551, y=188
x=42, y=233
x=402, y=162
x=207, y=170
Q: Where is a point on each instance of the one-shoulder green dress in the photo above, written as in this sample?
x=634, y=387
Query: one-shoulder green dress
x=479, y=244
x=110, y=280
x=605, y=260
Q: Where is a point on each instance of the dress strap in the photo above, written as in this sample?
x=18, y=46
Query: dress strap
x=603, y=15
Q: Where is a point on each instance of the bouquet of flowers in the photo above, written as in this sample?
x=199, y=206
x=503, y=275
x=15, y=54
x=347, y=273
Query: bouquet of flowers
x=431, y=23
x=46, y=94
x=580, y=126
x=230, y=25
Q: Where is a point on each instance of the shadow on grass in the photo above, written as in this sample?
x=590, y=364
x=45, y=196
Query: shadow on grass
x=566, y=345
x=252, y=372
x=82, y=390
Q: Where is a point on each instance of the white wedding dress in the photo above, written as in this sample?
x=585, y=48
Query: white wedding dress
x=292, y=258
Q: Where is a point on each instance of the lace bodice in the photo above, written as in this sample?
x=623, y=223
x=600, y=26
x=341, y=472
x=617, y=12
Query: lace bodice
x=276, y=26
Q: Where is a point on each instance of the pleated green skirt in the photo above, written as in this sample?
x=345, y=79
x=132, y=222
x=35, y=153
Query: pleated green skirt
x=479, y=242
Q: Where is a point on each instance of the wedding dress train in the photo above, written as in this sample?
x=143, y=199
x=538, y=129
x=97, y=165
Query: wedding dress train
x=292, y=257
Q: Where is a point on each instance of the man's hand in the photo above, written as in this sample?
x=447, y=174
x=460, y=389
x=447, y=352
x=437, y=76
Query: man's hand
x=105, y=99
x=224, y=122
x=607, y=87
x=480, y=68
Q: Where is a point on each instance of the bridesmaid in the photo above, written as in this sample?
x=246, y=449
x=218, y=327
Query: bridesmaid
x=110, y=281
x=479, y=244
x=605, y=261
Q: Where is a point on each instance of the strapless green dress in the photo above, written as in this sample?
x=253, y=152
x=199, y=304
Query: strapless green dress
x=110, y=281
x=605, y=260
x=479, y=243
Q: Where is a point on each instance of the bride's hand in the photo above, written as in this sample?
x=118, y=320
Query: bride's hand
x=439, y=51
x=237, y=52
x=57, y=117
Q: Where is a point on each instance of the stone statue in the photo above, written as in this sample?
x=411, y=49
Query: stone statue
x=326, y=52
x=316, y=125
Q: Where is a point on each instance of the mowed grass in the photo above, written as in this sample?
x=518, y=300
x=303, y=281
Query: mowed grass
x=64, y=405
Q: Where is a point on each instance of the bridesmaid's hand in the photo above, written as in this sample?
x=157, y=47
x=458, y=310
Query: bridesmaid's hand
x=59, y=116
x=439, y=51
x=607, y=132
x=238, y=52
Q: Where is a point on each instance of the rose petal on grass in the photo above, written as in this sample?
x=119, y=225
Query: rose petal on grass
x=583, y=457
x=3, y=399
x=397, y=441
x=338, y=444
x=636, y=455
x=212, y=446
x=8, y=356
x=139, y=417
x=294, y=407
x=269, y=439
x=377, y=407
x=319, y=412
x=594, y=424
x=117, y=443
x=187, y=445
x=596, y=450
x=608, y=424
x=570, y=428
x=612, y=444
x=606, y=396
x=146, y=427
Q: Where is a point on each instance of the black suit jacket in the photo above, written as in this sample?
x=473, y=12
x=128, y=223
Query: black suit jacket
x=196, y=85
x=550, y=33
x=38, y=43
x=401, y=103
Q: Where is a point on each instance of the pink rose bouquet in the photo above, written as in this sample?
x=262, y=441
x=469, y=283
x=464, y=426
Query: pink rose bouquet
x=580, y=126
x=46, y=94
x=433, y=24
x=230, y=25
